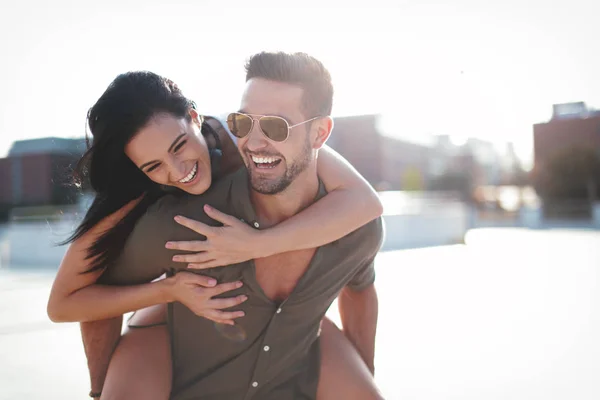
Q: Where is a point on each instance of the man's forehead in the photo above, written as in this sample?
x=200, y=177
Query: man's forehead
x=267, y=97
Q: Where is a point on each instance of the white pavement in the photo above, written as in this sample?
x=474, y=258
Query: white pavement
x=514, y=314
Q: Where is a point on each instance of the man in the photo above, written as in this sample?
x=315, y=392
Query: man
x=273, y=352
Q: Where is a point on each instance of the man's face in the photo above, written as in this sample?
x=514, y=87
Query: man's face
x=273, y=166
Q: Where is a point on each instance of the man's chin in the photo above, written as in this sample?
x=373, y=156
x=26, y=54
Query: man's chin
x=267, y=186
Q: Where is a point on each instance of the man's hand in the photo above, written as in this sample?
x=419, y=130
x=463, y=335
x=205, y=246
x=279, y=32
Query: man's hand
x=232, y=243
x=196, y=292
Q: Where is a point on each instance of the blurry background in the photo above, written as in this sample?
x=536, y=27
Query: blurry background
x=479, y=123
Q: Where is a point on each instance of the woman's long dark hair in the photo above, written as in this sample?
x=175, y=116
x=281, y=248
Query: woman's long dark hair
x=127, y=105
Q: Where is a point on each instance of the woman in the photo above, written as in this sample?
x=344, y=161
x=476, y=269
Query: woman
x=146, y=140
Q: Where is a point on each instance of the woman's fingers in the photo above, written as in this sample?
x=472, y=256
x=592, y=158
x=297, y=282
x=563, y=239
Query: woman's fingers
x=201, y=280
x=207, y=264
x=220, y=304
x=194, y=225
x=217, y=215
x=192, y=258
x=190, y=245
x=224, y=287
x=223, y=315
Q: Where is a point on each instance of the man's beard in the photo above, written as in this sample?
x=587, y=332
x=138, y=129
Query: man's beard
x=277, y=185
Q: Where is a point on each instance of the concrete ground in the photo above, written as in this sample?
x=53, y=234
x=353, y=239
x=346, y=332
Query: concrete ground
x=513, y=314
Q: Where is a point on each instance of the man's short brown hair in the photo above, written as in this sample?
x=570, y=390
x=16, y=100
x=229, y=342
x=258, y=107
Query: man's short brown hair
x=297, y=69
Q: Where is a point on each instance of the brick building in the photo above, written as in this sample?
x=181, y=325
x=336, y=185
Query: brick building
x=38, y=172
x=572, y=125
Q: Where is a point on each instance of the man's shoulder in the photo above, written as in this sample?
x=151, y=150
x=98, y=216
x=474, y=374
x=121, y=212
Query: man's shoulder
x=367, y=239
x=219, y=194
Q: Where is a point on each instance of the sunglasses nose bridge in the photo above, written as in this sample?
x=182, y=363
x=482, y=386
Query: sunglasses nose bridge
x=256, y=138
x=256, y=124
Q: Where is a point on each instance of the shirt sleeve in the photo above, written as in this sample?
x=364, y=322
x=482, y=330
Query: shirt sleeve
x=372, y=238
x=144, y=256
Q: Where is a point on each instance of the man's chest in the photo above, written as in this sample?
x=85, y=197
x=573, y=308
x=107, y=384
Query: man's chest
x=279, y=274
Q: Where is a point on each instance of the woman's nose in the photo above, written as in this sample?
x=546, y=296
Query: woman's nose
x=177, y=170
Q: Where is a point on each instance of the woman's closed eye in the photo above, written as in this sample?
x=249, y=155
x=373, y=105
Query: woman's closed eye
x=153, y=168
x=174, y=150
x=179, y=146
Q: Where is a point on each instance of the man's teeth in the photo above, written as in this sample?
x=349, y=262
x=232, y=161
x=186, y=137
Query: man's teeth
x=264, y=160
x=191, y=175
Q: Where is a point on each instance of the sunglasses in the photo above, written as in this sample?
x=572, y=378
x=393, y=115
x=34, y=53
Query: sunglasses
x=275, y=128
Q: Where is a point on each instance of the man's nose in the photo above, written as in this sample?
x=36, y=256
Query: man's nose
x=256, y=139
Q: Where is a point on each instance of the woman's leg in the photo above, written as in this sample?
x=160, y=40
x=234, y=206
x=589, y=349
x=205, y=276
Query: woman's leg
x=344, y=375
x=140, y=367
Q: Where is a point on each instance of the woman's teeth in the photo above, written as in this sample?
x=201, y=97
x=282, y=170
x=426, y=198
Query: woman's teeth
x=191, y=175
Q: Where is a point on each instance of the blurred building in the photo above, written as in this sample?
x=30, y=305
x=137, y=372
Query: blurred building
x=390, y=162
x=38, y=172
x=572, y=125
x=358, y=140
x=568, y=191
x=387, y=163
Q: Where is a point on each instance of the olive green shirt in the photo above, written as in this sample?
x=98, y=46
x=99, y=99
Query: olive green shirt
x=272, y=353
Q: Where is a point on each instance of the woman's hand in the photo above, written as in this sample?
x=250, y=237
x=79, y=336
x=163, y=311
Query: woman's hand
x=196, y=292
x=232, y=243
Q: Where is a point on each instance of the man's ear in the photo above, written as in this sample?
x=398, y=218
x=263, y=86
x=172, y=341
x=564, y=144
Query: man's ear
x=323, y=127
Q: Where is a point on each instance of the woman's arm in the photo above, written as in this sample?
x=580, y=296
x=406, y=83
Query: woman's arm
x=75, y=296
x=350, y=203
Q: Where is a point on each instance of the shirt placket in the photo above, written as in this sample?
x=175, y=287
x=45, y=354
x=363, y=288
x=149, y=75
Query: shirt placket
x=259, y=375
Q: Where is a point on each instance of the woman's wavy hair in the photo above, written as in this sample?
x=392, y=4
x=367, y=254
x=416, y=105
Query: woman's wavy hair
x=127, y=105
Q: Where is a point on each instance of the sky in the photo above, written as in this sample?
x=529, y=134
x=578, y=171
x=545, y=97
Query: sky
x=462, y=68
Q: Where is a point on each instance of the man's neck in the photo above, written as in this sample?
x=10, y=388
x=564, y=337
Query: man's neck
x=273, y=209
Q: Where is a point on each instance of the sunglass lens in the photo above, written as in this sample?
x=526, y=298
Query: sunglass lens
x=239, y=124
x=275, y=128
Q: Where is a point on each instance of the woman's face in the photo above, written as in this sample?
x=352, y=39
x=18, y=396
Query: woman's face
x=172, y=151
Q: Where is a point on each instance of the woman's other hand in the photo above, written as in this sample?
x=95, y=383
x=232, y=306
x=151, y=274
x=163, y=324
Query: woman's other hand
x=197, y=293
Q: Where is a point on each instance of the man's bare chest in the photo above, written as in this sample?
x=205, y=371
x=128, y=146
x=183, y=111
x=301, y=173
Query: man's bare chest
x=278, y=275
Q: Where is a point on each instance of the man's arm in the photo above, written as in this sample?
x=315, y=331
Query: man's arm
x=358, y=312
x=100, y=338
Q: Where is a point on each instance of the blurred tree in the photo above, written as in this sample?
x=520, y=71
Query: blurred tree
x=412, y=179
x=455, y=181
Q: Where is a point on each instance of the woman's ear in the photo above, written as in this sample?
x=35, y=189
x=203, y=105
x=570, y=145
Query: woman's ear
x=197, y=118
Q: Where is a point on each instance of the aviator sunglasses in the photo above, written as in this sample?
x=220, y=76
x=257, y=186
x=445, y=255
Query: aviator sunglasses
x=275, y=128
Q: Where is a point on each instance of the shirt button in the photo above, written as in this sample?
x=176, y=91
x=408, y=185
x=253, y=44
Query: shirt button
x=254, y=384
x=278, y=310
x=256, y=225
x=266, y=348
